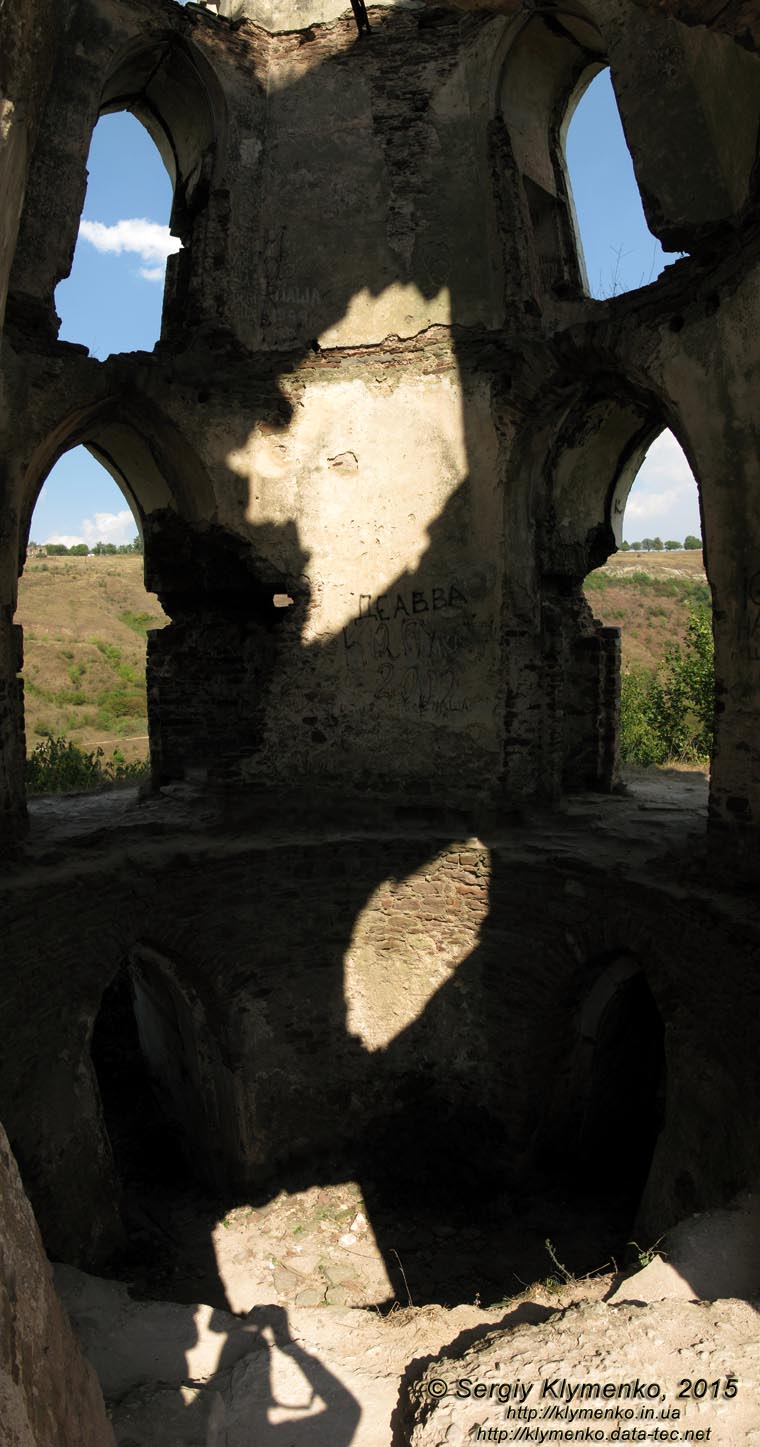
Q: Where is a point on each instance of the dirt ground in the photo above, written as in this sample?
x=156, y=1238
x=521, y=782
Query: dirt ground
x=318, y=1247
x=191, y=1376
x=684, y=564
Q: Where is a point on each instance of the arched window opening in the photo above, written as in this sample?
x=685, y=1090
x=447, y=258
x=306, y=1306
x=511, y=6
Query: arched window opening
x=85, y=613
x=617, y=250
x=655, y=589
x=112, y=300
x=659, y=510
x=543, y=70
x=139, y=217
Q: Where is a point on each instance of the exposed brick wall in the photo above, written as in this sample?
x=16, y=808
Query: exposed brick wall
x=394, y=999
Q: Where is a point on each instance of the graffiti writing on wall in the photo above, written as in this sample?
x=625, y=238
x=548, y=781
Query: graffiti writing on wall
x=411, y=647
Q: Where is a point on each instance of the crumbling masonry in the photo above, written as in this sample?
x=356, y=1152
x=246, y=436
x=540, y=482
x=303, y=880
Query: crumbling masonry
x=382, y=440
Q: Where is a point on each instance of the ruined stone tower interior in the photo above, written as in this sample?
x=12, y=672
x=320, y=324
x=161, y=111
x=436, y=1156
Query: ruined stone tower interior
x=385, y=913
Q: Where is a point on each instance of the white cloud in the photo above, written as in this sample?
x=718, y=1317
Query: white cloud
x=664, y=490
x=151, y=241
x=68, y=540
x=152, y=273
x=104, y=527
x=654, y=505
x=110, y=527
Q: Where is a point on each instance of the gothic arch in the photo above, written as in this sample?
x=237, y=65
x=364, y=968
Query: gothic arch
x=167, y=85
x=608, y=1102
x=143, y=451
x=152, y=1021
x=549, y=61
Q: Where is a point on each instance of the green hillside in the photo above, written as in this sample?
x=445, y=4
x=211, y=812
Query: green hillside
x=648, y=595
x=85, y=622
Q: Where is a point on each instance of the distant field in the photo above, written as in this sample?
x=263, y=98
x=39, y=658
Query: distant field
x=648, y=596
x=85, y=623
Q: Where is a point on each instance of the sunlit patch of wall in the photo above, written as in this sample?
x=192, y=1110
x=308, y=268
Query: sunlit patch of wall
x=409, y=940
x=365, y=468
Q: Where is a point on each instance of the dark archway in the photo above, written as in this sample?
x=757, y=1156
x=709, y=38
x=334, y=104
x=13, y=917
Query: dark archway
x=173, y=1056
x=147, y=1147
x=608, y=1104
x=170, y=1114
x=621, y=1101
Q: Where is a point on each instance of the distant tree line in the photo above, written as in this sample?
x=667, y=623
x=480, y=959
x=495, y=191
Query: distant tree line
x=81, y=550
x=656, y=545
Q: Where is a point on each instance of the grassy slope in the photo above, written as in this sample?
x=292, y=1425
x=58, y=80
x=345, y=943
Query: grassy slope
x=84, y=668
x=653, y=609
x=85, y=663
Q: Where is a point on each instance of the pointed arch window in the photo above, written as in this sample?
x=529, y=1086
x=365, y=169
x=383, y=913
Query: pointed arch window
x=85, y=614
x=617, y=250
x=112, y=301
x=140, y=216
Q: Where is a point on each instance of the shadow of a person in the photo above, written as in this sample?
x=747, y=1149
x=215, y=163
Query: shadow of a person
x=275, y=1394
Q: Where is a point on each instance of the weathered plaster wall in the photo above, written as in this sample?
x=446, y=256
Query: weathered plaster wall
x=378, y=377
x=382, y=440
x=364, y=471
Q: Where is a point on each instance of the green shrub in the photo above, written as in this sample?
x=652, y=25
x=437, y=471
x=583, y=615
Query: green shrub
x=669, y=715
x=138, y=622
x=690, y=590
x=110, y=652
x=116, y=703
x=58, y=766
x=640, y=741
x=596, y=582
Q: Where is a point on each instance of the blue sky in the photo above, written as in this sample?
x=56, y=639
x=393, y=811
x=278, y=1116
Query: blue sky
x=112, y=303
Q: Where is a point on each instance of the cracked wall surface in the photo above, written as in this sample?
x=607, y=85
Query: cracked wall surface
x=380, y=378
x=383, y=438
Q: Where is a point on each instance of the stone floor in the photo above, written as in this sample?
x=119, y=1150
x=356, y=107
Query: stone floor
x=318, y=1247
